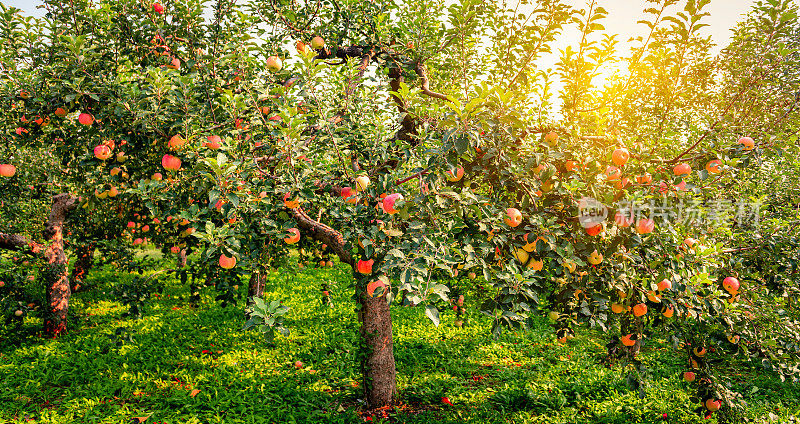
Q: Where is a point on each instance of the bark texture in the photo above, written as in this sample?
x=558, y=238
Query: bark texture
x=55, y=267
x=380, y=384
x=255, y=288
x=83, y=263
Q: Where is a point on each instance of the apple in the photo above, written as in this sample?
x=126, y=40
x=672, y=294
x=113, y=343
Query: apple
x=390, y=201
x=513, y=217
x=682, y=169
x=176, y=142
x=713, y=405
x=227, y=262
x=60, y=112
x=158, y=8
x=298, y=364
x=362, y=182
x=7, y=170
x=617, y=308
x=595, y=258
x=619, y=185
x=157, y=177
x=214, y=142
x=131, y=224
x=329, y=264
x=175, y=249
x=113, y=192
x=645, y=226
x=747, y=143
x=639, y=309
x=114, y=171
x=102, y=152
x=520, y=254
x=553, y=315
x=668, y=311
x=274, y=63
x=171, y=163
x=175, y=63
x=138, y=241
x=317, y=43
x=699, y=352
x=365, y=267
x=664, y=285
x=571, y=165
x=2, y=283
x=653, y=297
x=455, y=176
x=613, y=173
x=294, y=236
x=471, y=275
x=713, y=167
x=620, y=156
x=121, y=157
x=289, y=202
x=627, y=340
x=731, y=284
x=371, y=287
x=551, y=137
x=85, y=119
x=595, y=230
x=18, y=313
x=731, y=338
x=689, y=376
x=622, y=220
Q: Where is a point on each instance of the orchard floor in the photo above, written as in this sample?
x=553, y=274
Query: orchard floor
x=179, y=365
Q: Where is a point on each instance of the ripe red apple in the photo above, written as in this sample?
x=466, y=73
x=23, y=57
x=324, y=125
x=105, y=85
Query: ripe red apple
x=390, y=201
x=689, y=376
x=7, y=170
x=214, y=142
x=365, y=267
x=176, y=142
x=60, y=112
x=18, y=313
x=595, y=230
x=171, y=163
x=713, y=167
x=628, y=340
x=620, y=156
x=613, y=173
x=455, y=176
x=551, y=137
x=289, y=202
x=713, y=405
x=157, y=177
x=371, y=287
x=699, y=352
x=639, y=309
x=298, y=364
x=2, y=283
x=158, y=8
x=175, y=249
x=274, y=63
x=645, y=226
x=227, y=262
x=571, y=165
x=595, y=258
x=85, y=119
x=175, y=63
x=664, y=285
x=747, y=143
x=294, y=236
x=102, y=152
x=513, y=217
x=668, y=311
x=731, y=284
x=682, y=169
x=317, y=43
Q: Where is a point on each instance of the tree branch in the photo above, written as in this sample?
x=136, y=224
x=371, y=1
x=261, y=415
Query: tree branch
x=323, y=233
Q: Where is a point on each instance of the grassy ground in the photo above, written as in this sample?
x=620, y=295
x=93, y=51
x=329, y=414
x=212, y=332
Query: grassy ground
x=194, y=365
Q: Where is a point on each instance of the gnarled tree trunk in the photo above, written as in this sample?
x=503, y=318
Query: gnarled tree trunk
x=55, y=267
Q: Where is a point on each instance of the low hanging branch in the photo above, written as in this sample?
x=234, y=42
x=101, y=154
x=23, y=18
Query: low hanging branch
x=322, y=233
x=20, y=244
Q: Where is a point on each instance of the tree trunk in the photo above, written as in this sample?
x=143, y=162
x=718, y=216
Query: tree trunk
x=255, y=288
x=83, y=263
x=378, y=365
x=182, y=255
x=55, y=269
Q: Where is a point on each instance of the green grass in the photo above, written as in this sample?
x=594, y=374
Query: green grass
x=110, y=369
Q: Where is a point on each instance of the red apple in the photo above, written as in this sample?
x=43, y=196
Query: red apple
x=620, y=156
x=176, y=142
x=747, y=143
x=645, y=226
x=227, y=262
x=158, y=8
x=171, y=163
x=214, y=142
x=623, y=220
x=613, y=173
x=513, y=217
x=102, y=152
x=455, y=176
x=689, y=376
x=595, y=230
x=18, y=313
x=731, y=284
x=298, y=364
x=639, y=309
x=390, y=201
x=85, y=119
x=365, y=267
x=7, y=170
x=664, y=285
x=682, y=169
x=645, y=178
x=294, y=236
x=713, y=405
x=60, y=112
x=713, y=167
x=157, y=177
